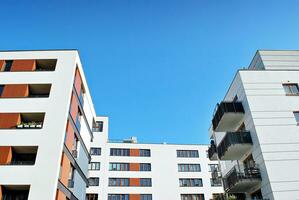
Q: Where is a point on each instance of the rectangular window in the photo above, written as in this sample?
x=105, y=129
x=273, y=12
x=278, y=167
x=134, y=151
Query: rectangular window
x=119, y=167
x=93, y=181
x=216, y=182
x=189, y=168
x=98, y=126
x=213, y=167
x=291, y=88
x=187, y=153
x=1, y=89
x=145, y=197
x=192, y=197
x=118, y=197
x=94, y=166
x=145, y=167
x=119, y=182
x=8, y=64
x=190, y=182
x=95, y=151
x=91, y=196
x=119, y=152
x=145, y=182
x=144, y=152
x=296, y=114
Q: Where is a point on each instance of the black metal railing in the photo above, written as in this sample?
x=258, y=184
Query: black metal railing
x=232, y=138
x=226, y=107
x=21, y=162
x=240, y=173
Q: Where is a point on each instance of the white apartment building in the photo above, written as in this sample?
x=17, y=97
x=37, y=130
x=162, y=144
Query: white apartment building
x=128, y=170
x=255, y=131
x=46, y=119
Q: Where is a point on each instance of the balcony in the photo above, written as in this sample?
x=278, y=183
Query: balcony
x=18, y=155
x=70, y=183
x=241, y=179
x=228, y=116
x=17, y=192
x=75, y=153
x=31, y=121
x=212, y=151
x=234, y=145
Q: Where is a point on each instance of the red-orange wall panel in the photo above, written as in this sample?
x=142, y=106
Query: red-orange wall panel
x=74, y=107
x=134, y=196
x=15, y=90
x=9, y=120
x=2, y=63
x=65, y=170
x=78, y=81
x=134, y=182
x=23, y=65
x=5, y=154
x=134, y=152
x=70, y=135
x=60, y=195
x=134, y=167
x=0, y=192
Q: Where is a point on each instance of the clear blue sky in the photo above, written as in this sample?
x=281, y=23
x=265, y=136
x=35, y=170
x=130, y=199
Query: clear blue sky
x=155, y=67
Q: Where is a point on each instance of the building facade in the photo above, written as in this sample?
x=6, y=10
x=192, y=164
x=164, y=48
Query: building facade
x=52, y=145
x=254, y=129
x=128, y=170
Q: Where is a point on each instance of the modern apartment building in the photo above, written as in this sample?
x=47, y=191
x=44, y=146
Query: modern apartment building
x=50, y=137
x=128, y=170
x=46, y=120
x=255, y=129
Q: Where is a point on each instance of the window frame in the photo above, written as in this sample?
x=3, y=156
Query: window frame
x=288, y=88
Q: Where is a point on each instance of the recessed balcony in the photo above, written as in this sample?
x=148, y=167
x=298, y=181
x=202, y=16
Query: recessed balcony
x=212, y=151
x=14, y=192
x=228, y=116
x=234, y=145
x=21, y=120
x=18, y=155
x=241, y=179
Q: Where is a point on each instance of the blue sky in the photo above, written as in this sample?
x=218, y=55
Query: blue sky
x=155, y=67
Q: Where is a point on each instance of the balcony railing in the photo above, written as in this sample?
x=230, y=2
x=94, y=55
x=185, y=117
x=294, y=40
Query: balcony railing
x=70, y=183
x=227, y=116
x=30, y=125
x=75, y=153
x=241, y=179
x=78, y=123
x=212, y=152
x=234, y=145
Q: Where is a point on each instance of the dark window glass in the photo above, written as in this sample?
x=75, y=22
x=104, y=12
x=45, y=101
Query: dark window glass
x=118, y=197
x=119, y=152
x=98, y=126
x=190, y=182
x=121, y=182
x=145, y=167
x=91, y=196
x=145, y=197
x=296, y=114
x=94, y=166
x=216, y=182
x=187, y=153
x=93, y=181
x=119, y=166
x=291, y=89
x=144, y=152
x=95, y=151
x=8, y=64
x=146, y=182
x=192, y=197
x=189, y=168
x=213, y=167
x=1, y=89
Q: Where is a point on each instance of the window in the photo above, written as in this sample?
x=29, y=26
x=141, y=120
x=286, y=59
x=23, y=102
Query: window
x=119, y=182
x=1, y=89
x=190, y=182
x=119, y=152
x=94, y=166
x=95, y=151
x=98, y=126
x=93, y=181
x=213, y=167
x=291, y=88
x=192, y=197
x=145, y=197
x=216, y=182
x=8, y=64
x=144, y=152
x=119, y=166
x=91, y=196
x=145, y=167
x=189, y=168
x=187, y=153
x=296, y=114
x=118, y=197
x=145, y=182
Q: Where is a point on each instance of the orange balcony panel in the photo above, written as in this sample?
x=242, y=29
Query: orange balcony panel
x=134, y=182
x=0, y=192
x=78, y=82
x=74, y=107
x=15, y=90
x=65, y=169
x=5, y=155
x=2, y=64
x=9, y=120
x=70, y=136
x=23, y=65
x=134, y=152
x=134, y=196
x=60, y=195
x=134, y=167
